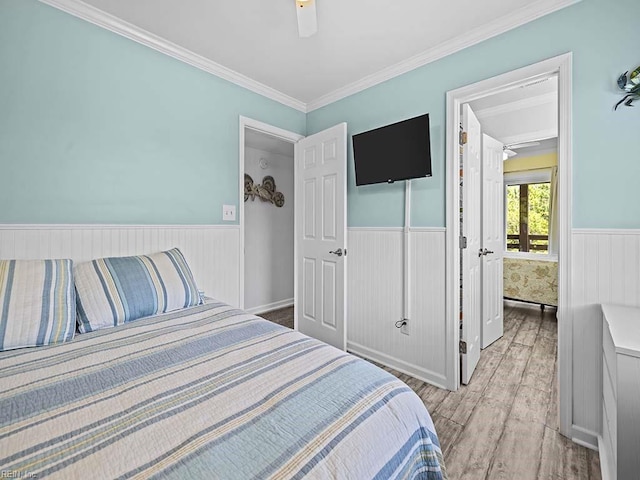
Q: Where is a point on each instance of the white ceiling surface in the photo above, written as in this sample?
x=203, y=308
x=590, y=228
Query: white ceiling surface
x=521, y=114
x=267, y=143
x=355, y=39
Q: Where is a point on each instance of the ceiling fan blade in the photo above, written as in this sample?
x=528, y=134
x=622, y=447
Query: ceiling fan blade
x=515, y=146
x=307, y=19
x=508, y=153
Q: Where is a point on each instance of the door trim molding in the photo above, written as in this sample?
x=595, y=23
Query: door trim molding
x=561, y=66
x=291, y=137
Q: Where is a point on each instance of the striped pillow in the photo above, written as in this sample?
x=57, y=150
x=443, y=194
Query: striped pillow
x=37, y=303
x=112, y=291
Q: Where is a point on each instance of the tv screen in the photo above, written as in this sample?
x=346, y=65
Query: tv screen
x=399, y=151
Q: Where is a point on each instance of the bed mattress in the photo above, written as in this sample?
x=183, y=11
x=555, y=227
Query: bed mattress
x=208, y=392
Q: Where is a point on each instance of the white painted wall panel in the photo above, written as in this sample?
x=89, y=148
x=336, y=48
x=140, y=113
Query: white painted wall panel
x=212, y=251
x=375, y=300
x=606, y=269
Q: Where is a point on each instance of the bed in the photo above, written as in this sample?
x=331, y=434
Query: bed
x=208, y=391
x=531, y=280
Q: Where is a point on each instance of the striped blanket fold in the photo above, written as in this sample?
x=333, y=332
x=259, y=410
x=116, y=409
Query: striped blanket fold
x=208, y=392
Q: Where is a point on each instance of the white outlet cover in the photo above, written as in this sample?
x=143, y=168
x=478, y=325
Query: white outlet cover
x=228, y=213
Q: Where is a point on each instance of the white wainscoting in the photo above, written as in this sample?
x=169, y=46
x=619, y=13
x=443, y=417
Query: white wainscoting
x=211, y=250
x=606, y=269
x=375, y=300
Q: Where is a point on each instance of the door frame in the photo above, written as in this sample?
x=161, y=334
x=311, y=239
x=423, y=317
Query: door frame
x=562, y=67
x=287, y=136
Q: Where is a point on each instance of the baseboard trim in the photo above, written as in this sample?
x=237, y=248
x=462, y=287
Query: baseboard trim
x=270, y=306
x=605, y=461
x=404, y=367
x=584, y=437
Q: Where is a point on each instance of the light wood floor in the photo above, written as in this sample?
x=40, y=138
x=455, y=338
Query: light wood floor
x=504, y=424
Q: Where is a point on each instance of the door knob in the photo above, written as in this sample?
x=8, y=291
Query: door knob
x=337, y=252
x=483, y=252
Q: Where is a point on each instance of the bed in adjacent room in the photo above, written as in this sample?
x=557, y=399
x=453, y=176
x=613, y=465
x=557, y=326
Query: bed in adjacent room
x=206, y=391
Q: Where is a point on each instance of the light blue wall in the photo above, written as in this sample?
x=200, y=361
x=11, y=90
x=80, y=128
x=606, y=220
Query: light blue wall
x=603, y=36
x=95, y=128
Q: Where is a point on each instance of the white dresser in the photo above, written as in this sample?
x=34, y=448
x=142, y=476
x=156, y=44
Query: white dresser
x=619, y=444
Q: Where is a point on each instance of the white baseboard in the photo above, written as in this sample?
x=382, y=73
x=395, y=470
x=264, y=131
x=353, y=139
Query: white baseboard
x=399, y=365
x=605, y=461
x=584, y=437
x=270, y=306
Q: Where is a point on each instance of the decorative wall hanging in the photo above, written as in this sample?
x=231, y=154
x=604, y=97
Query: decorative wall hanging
x=631, y=86
x=265, y=192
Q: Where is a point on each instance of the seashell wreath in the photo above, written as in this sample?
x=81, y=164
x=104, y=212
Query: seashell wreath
x=265, y=192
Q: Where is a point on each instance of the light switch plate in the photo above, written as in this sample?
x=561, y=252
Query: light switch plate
x=228, y=213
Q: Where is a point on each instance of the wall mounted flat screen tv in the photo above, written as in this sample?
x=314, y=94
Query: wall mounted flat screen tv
x=399, y=151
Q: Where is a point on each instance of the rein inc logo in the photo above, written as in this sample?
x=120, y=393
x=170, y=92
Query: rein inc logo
x=17, y=474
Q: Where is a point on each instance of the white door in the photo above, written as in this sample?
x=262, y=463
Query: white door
x=492, y=240
x=321, y=242
x=471, y=264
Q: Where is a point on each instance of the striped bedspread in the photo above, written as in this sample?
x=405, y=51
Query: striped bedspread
x=207, y=392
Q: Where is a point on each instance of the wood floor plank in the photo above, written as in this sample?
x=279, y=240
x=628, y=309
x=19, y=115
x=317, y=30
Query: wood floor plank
x=553, y=414
x=466, y=407
x=451, y=402
x=518, y=452
x=448, y=433
x=504, y=383
x=549, y=325
x=530, y=405
x=432, y=396
x=489, y=361
x=550, y=462
x=595, y=473
x=574, y=460
x=540, y=369
x=511, y=325
x=471, y=456
x=528, y=331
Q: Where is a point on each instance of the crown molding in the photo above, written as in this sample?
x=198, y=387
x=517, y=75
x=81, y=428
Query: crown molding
x=501, y=25
x=525, y=103
x=91, y=14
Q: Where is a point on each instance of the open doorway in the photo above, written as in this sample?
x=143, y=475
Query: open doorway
x=456, y=99
x=267, y=212
x=519, y=196
x=269, y=223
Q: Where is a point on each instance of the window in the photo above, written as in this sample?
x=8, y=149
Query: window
x=527, y=212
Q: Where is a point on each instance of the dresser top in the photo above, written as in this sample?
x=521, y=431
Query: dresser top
x=624, y=325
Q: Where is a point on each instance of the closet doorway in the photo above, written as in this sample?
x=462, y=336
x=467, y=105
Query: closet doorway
x=266, y=217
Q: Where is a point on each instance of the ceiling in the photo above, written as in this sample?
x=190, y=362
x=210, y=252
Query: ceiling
x=358, y=41
x=268, y=143
x=522, y=114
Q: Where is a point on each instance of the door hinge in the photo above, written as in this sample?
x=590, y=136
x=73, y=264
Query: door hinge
x=463, y=138
x=463, y=346
x=463, y=242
